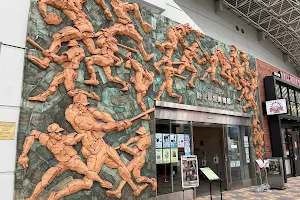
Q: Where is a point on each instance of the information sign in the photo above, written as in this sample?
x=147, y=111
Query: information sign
x=210, y=174
x=7, y=130
x=189, y=171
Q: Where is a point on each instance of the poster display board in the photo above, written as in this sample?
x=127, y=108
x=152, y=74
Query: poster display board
x=167, y=148
x=189, y=171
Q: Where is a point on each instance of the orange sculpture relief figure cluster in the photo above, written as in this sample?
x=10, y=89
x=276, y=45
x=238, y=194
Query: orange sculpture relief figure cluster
x=91, y=124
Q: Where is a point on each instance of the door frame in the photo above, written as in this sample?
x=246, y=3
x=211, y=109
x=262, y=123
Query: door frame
x=296, y=157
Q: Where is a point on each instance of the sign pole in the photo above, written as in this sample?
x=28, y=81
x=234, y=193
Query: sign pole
x=210, y=190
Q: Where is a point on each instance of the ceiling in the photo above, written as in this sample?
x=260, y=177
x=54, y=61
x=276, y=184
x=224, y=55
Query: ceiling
x=278, y=19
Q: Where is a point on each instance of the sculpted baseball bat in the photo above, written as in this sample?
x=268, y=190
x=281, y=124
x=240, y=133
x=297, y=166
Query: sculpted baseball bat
x=35, y=44
x=128, y=48
x=142, y=114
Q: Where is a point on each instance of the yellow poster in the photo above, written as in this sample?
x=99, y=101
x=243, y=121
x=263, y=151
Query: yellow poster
x=7, y=130
x=174, y=155
x=166, y=155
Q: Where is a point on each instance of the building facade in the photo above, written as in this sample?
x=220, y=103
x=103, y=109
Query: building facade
x=183, y=107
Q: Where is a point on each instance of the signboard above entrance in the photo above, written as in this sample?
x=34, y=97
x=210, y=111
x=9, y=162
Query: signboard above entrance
x=290, y=78
x=276, y=107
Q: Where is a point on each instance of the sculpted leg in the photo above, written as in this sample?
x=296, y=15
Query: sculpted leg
x=89, y=62
x=170, y=92
x=161, y=90
x=47, y=178
x=213, y=79
x=124, y=173
x=57, y=80
x=143, y=179
x=135, y=7
x=194, y=71
x=107, y=71
x=139, y=97
x=204, y=76
x=73, y=187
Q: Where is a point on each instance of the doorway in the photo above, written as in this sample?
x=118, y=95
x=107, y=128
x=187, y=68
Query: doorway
x=209, y=148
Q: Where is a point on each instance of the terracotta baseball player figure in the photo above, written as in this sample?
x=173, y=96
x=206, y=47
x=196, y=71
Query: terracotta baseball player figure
x=106, y=59
x=235, y=63
x=169, y=72
x=84, y=120
x=125, y=26
x=68, y=159
x=139, y=152
x=71, y=61
x=82, y=30
x=141, y=81
x=213, y=60
x=225, y=67
x=189, y=54
x=245, y=62
x=176, y=35
x=245, y=89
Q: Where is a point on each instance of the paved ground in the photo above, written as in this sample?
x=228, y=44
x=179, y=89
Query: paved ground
x=292, y=192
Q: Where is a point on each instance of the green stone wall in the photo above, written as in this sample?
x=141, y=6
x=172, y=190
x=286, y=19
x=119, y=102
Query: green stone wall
x=121, y=105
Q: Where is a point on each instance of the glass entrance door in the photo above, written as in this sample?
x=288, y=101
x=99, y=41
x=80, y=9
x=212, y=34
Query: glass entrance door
x=296, y=153
x=239, y=154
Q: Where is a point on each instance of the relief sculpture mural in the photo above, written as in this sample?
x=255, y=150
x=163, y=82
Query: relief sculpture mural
x=99, y=126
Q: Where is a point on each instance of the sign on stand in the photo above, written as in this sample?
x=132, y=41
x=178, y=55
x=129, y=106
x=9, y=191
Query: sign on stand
x=189, y=171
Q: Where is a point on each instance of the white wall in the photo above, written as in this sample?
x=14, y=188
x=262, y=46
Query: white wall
x=13, y=23
x=201, y=14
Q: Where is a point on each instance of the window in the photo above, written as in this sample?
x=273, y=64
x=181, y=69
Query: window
x=278, y=91
x=292, y=102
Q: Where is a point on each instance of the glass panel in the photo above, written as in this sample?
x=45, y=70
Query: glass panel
x=293, y=108
x=180, y=129
x=298, y=102
x=291, y=95
x=164, y=184
x=234, y=152
x=284, y=92
x=248, y=153
x=278, y=92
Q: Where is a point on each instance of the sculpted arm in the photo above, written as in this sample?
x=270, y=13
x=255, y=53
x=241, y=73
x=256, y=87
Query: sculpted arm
x=200, y=61
x=101, y=115
x=73, y=138
x=50, y=18
x=34, y=135
x=106, y=10
x=181, y=40
x=115, y=126
x=130, y=150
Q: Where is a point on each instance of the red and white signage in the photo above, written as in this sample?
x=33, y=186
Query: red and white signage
x=290, y=78
x=276, y=107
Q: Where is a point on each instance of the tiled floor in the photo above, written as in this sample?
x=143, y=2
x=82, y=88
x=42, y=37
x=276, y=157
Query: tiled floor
x=292, y=192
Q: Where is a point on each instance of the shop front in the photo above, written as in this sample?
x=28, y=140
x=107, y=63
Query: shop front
x=284, y=91
x=221, y=139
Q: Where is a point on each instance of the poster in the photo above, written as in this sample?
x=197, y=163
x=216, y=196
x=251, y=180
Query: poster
x=180, y=140
x=159, y=155
x=166, y=155
x=173, y=140
x=209, y=174
x=174, y=155
x=189, y=171
x=166, y=140
x=159, y=143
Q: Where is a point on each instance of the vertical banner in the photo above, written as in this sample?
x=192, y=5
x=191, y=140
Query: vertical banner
x=189, y=171
x=173, y=140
